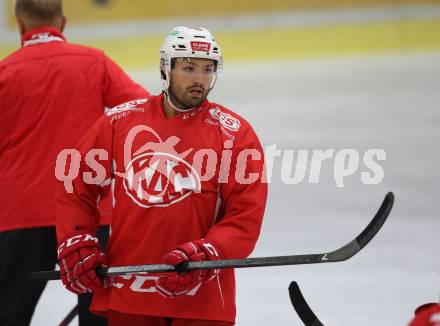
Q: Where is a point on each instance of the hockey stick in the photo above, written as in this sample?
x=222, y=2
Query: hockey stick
x=341, y=254
x=70, y=316
x=301, y=307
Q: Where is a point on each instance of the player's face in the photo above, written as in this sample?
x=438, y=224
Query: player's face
x=190, y=81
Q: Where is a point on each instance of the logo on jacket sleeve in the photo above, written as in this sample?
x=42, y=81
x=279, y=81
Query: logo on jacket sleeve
x=127, y=106
x=225, y=119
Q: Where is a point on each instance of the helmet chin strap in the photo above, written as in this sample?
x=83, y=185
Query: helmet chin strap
x=173, y=106
x=213, y=82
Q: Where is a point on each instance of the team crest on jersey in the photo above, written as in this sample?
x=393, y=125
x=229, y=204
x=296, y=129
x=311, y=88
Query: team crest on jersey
x=127, y=106
x=225, y=119
x=158, y=175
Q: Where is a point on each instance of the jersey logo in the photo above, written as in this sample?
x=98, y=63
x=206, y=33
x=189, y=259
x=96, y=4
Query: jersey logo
x=192, y=113
x=435, y=318
x=158, y=175
x=225, y=119
x=127, y=106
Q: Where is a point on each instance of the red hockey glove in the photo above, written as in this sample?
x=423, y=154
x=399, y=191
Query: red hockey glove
x=178, y=284
x=79, y=254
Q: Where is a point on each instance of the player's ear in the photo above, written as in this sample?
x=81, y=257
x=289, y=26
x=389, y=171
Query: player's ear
x=63, y=23
x=21, y=25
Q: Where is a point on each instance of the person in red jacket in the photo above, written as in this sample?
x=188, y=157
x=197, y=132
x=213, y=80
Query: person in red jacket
x=427, y=315
x=51, y=92
x=187, y=184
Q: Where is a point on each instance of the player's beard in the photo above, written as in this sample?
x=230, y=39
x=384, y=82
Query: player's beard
x=183, y=100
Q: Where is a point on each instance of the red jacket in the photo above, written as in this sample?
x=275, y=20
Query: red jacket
x=51, y=92
x=172, y=183
x=427, y=315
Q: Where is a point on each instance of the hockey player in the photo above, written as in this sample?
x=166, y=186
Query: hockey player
x=51, y=92
x=187, y=185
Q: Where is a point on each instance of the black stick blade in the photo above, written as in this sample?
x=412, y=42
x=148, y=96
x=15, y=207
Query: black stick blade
x=370, y=231
x=303, y=310
x=70, y=316
x=377, y=222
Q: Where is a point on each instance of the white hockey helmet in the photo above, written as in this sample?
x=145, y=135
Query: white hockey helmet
x=185, y=42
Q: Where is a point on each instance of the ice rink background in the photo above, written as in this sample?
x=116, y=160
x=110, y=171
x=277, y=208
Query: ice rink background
x=389, y=102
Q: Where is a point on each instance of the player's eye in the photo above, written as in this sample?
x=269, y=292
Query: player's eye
x=188, y=69
x=209, y=70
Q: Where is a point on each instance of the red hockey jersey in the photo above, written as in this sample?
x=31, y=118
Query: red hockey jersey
x=51, y=92
x=195, y=175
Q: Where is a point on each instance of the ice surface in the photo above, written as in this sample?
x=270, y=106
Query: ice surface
x=389, y=102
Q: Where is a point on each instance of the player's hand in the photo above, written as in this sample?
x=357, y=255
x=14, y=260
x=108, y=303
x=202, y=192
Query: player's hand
x=182, y=283
x=79, y=254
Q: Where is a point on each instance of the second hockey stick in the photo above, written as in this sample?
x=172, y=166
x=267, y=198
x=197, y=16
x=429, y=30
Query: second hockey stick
x=70, y=316
x=341, y=254
x=303, y=310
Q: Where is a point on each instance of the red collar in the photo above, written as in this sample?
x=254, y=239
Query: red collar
x=42, y=35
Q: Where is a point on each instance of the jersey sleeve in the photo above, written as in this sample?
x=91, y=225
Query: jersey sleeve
x=243, y=200
x=118, y=87
x=77, y=204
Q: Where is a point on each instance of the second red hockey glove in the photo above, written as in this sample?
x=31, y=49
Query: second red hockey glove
x=79, y=254
x=183, y=283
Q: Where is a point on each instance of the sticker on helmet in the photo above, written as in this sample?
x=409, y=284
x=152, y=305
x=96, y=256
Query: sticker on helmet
x=200, y=46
